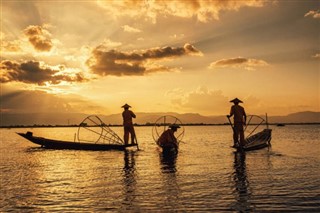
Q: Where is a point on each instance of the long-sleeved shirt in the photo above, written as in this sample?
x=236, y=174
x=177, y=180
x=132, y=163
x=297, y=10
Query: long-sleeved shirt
x=239, y=114
x=127, y=116
x=166, y=138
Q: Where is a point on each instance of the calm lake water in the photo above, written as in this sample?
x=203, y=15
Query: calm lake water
x=206, y=175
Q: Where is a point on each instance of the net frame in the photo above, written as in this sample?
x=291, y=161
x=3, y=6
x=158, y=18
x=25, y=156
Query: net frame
x=163, y=123
x=105, y=135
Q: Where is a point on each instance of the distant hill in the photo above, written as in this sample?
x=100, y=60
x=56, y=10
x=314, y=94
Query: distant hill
x=299, y=117
x=9, y=119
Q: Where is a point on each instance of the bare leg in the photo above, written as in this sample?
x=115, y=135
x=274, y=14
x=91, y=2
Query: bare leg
x=243, y=142
x=235, y=138
x=236, y=135
x=133, y=135
x=126, y=135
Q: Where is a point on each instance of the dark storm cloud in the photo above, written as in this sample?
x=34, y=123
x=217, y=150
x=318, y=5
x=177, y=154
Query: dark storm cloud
x=32, y=72
x=113, y=62
x=39, y=38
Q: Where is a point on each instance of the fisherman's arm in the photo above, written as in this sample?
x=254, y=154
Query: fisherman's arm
x=231, y=112
x=244, y=117
x=173, y=138
x=133, y=115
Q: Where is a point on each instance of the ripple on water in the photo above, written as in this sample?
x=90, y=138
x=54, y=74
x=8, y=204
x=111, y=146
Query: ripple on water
x=206, y=175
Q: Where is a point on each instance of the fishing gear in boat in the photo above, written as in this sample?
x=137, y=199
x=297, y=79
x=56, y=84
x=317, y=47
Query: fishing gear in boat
x=93, y=130
x=257, y=136
x=92, y=134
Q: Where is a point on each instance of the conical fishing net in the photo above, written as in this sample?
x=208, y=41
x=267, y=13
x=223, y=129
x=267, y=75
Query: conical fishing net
x=93, y=130
x=163, y=123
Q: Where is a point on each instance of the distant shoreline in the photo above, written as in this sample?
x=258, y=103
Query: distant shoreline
x=137, y=125
x=143, y=119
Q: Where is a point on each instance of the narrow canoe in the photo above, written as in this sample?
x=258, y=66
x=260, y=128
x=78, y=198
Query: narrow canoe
x=59, y=144
x=258, y=141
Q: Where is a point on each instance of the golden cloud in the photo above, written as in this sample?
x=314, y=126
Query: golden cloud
x=202, y=99
x=39, y=37
x=316, y=56
x=35, y=101
x=113, y=62
x=127, y=28
x=313, y=14
x=33, y=72
x=203, y=10
x=11, y=46
x=239, y=62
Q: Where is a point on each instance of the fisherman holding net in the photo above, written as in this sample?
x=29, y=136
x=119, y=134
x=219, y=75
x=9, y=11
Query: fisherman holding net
x=168, y=139
x=239, y=118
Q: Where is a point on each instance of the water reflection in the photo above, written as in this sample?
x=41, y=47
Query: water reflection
x=129, y=180
x=168, y=162
x=171, y=190
x=34, y=149
x=241, y=183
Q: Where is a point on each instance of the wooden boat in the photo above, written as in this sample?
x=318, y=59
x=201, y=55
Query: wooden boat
x=256, y=140
x=92, y=134
x=59, y=144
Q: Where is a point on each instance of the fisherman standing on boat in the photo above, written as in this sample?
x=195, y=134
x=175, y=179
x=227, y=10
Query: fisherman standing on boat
x=240, y=119
x=127, y=116
x=167, y=138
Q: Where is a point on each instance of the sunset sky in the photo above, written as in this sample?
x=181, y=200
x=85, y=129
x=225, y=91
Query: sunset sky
x=160, y=56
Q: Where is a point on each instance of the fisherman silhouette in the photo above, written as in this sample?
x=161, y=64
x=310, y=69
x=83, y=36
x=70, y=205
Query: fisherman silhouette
x=167, y=139
x=127, y=116
x=239, y=117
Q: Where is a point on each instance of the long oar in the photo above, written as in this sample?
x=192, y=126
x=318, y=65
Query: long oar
x=135, y=137
x=230, y=123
